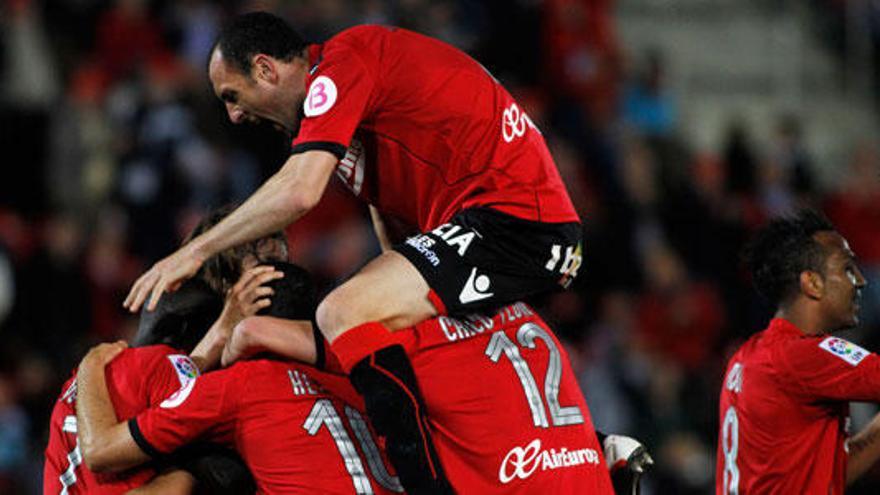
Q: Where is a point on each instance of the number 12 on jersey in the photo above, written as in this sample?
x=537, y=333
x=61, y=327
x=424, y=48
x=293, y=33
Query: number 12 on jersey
x=526, y=335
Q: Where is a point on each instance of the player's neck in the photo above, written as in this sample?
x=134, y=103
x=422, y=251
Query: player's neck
x=801, y=316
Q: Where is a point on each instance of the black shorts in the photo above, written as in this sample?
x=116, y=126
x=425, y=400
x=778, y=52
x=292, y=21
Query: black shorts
x=484, y=258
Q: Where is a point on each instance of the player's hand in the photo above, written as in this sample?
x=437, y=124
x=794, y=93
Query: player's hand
x=249, y=295
x=166, y=275
x=627, y=461
x=102, y=354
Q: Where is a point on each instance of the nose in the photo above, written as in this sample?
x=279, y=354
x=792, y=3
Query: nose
x=236, y=115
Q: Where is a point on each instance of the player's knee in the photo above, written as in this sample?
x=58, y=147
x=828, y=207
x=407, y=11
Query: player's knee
x=334, y=315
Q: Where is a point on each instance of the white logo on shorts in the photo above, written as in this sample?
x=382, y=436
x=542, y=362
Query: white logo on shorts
x=321, y=97
x=475, y=289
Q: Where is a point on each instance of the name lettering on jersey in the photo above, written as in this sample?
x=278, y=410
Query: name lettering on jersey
x=523, y=462
x=514, y=123
x=844, y=350
x=513, y=312
x=321, y=97
x=453, y=236
x=423, y=245
x=455, y=329
x=187, y=373
x=734, y=380
x=351, y=168
x=301, y=383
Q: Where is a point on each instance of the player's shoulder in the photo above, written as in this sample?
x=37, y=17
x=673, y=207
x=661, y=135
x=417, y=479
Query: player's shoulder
x=359, y=37
x=809, y=354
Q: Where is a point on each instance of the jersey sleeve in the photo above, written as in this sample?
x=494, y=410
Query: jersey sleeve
x=336, y=100
x=170, y=373
x=831, y=368
x=202, y=407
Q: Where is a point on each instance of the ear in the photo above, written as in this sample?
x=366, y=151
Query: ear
x=264, y=68
x=812, y=284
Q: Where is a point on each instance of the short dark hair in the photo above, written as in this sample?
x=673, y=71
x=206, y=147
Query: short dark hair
x=257, y=32
x=783, y=249
x=222, y=270
x=181, y=318
x=294, y=295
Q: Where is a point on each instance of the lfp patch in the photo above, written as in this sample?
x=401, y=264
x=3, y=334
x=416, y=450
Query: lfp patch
x=187, y=372
x=844, y=349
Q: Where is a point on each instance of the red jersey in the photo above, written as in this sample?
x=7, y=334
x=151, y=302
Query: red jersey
x=784, y=412
x=138, y=378
x=506, y=412
x=424, y=131
x=293, y=435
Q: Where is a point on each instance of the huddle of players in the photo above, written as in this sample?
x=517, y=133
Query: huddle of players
x=299, y=428
x=423, y=133
x=783, y=410
x=426, y=136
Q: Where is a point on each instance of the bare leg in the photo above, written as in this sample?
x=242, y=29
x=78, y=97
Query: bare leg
x=389, y=290
x=387, y=294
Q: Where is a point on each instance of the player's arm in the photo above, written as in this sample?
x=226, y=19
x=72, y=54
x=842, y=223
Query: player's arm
x=389, y=230
x=175, y=482
x=281, y=200
x=244, y=299
x=292, y=339
x=864, y=450
x=106, y=444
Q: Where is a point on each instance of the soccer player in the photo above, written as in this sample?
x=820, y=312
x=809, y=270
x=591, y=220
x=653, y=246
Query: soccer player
x=784, y=405
x=141, y=377
x=294, y=436
x=425, y=134
x=164, y=337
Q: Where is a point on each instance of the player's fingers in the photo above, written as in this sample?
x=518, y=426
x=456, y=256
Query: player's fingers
x=264, y=278
x=139, y=291
x=249, y=275
x=156, y=293
x=260, y=292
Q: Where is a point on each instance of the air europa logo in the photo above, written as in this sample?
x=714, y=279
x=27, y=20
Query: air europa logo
x=523, y=462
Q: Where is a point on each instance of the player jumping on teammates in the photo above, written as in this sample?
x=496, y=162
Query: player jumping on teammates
x=425, y=134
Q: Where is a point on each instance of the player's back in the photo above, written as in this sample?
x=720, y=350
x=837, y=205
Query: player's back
x=433, y=130
x=131, y=390
x=294, y=436
x=298, y=438
x=506, y=412
x=775, y=435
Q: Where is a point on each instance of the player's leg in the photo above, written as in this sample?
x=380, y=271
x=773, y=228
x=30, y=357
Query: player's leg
x=389, y=290
x=388, y=293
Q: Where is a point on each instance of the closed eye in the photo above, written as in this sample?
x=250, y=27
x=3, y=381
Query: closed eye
x=229, y=96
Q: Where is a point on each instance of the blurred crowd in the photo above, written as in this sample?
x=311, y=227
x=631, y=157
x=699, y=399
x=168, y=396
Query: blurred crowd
x=115, y=146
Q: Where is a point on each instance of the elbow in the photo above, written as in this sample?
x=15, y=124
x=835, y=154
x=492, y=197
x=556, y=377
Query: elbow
x=302, y=201
x=95, y=458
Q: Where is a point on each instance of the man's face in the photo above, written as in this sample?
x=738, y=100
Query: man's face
x=269, y=93
x=843, y=282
